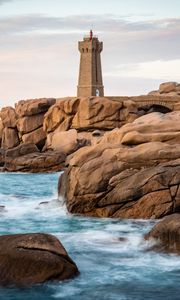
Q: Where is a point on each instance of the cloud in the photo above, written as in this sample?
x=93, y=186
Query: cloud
x=5, y=1
x=39, y=56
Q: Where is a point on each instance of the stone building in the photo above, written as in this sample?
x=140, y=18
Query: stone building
x=90, y=72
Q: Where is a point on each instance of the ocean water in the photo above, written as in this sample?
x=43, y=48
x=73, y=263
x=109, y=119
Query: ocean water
x=111, y=268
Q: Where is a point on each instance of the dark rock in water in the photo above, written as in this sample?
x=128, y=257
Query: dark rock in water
x=167, y=234
x=2, y=208
x=33, y=258
x=44, y=203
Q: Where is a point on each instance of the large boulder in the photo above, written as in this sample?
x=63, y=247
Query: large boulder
x=60, y=115
x=167, y=89
x=34, y=162
x=97, y=112
x=153, y=127
x=32, y=258
x=65, y=141
x=30, y=123
x=10, y=138
x=109, y=180
x=1, y=131
x=22, y=149
x=37, y=137
x=33, y=107
x=8, y=117
x=166, y=234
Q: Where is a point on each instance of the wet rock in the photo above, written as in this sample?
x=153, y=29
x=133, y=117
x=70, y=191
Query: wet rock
x=27, y=259
x=2, y=208
x=44, y=203
x=166, y=234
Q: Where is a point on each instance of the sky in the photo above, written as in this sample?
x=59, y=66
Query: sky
x=39, y=45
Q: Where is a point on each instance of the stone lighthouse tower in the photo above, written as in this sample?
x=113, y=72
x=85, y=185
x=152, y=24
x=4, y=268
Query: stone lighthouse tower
x=90, y=72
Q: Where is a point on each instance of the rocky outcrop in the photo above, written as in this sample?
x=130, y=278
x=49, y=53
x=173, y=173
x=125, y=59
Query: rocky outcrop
x=8, y=117
x=30, y=123
x=2, y=158
x=89, y=114
x=24, y=124
x=127, y=178
x=154, y=127
x=10, y=138
x=21, y=150
x=32, y=258
x=65, y=141
x=33, y=107
x=34, y=162
x=127, y=183
x=166, y=235
x=167, y=88
x=1, y=130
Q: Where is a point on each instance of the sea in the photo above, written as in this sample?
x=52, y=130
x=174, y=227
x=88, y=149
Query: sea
x=111, y=254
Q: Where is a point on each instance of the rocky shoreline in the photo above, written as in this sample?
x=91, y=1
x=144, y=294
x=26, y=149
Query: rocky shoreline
x=120, y=160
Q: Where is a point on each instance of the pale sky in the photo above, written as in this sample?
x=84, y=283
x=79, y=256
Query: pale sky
x=39, y=40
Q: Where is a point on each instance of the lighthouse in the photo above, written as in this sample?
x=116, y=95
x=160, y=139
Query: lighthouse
x=90, y=73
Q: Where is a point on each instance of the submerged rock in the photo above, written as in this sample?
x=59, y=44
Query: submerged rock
x=166, y=234
x=33, y=258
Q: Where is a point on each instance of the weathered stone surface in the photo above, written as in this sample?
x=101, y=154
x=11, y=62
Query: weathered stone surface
x=30, y=123
x=2, y=157
x=50, y=161
x=33, y=258
x=36, y=137
x=61, y=114
x=115, y=181
x=22, y=149
x=166, y=234
x=129, y=111
x=9, y=138
x=1, y=130
x=64, y=141
x=167, y=87
x=8, y=117
x=149, y=128
x=97, y=112
x=33, y=107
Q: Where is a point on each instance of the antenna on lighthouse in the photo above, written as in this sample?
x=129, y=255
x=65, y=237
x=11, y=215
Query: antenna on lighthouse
x=91, y=35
